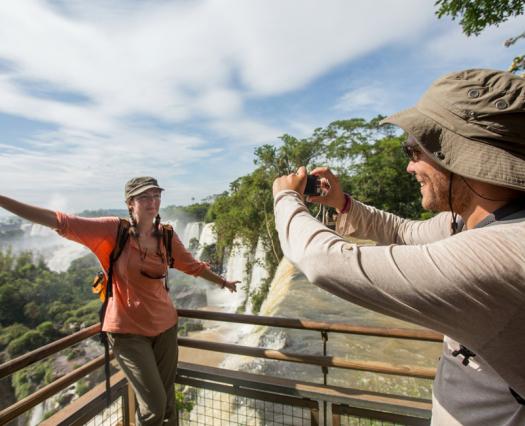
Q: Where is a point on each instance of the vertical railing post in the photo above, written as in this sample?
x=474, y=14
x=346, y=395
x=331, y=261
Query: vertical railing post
x=314, y=416
x=324, y=336
x=131, y=406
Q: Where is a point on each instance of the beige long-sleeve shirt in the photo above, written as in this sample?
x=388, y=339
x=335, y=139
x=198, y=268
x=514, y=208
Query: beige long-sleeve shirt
x=470, y=286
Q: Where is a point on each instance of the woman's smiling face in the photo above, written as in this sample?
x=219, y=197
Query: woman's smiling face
x=147, y=204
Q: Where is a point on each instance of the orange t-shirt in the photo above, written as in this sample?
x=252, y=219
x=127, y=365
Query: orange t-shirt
x=140, y=305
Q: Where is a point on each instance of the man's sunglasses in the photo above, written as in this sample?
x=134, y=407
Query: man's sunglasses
x=412, y=151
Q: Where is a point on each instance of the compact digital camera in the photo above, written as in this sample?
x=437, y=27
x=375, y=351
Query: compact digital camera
x=313, y=185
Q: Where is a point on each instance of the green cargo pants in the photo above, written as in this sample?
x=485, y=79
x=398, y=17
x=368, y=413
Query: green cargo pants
x=150, y=365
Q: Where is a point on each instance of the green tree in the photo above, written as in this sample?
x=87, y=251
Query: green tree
x=11, y=332
x=25, y=343
x=475, y=16
x=368, y=159
x=12, y=301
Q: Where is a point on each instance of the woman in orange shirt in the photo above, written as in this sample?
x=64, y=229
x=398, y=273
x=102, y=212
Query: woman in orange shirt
x=140, y=318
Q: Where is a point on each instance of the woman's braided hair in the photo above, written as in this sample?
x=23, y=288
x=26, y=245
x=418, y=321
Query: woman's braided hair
x=157, y=230
x=133, y=231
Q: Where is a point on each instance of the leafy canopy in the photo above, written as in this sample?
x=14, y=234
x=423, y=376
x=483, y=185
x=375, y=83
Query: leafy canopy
x=476, y=15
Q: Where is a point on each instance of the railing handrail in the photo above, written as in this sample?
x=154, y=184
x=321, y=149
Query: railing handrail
x=332, y=327
x=324, y=361
x=20, y=407
x=320, y=360
x=42, y=352
x=25, y=360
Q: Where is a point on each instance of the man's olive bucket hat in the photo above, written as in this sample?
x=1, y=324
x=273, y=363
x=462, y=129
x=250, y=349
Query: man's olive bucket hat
x=138, y=185
x=472, y=123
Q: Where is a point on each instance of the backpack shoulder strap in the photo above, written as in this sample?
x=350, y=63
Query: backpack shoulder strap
x=167, y=237
x=121, y=240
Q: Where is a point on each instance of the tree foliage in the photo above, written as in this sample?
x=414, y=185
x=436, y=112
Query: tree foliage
x=38, y=305
x=475, y=16
x=365, y=155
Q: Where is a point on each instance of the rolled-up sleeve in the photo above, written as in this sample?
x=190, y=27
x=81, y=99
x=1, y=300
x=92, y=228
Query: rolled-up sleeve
x=97, y=234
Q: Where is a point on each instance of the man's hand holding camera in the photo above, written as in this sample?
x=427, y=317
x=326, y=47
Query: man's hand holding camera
x=330, y=192
x=294, y=181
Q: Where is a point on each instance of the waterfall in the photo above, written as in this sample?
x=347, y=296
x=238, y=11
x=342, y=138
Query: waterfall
x=191, y=231
x=234, y=270
x=37, y=230
x=57, y=252
x=37, y=414
x=175, y=224
x=259, y=274
x=262, y=336
x=207, y=238
x=62, y=256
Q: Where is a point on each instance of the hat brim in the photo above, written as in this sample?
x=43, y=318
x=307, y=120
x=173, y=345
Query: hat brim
x=466, y=157
x=142, y=189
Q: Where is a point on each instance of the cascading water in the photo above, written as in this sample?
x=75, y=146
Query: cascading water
x=63, y=255
x=192, y=231
x=292, y=296
x=234, y=270
x=207, y=238
x=259, y=274
x=57, y=252
x=175, y=224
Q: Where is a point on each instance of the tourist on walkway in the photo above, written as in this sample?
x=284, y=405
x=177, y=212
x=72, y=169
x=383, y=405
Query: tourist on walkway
x=140, y=319
x=462, y=272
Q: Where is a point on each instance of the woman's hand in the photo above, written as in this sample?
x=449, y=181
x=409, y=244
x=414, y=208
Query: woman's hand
x=230, y=285
x=209, y=275
x=333, y=195
x=294, y=181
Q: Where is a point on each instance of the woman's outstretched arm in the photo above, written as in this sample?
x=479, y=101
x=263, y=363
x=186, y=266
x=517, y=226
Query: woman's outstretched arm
x=209, y=275
x=32, y=213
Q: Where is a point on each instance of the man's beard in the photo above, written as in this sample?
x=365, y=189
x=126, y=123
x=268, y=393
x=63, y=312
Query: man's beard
x=461, y=195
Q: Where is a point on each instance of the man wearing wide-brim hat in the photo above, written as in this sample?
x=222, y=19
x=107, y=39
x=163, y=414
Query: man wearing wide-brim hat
x=461, y=272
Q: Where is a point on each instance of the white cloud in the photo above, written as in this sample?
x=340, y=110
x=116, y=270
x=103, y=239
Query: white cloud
x=166, y=59
x=151, y=70
x=90, y=164
x=246, y=131
x=371, y=97
x=220, y=103
x=284, y=50
x=451, y=47
x=16, y=102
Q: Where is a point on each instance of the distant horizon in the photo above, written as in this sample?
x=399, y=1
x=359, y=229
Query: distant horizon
x=99, y=92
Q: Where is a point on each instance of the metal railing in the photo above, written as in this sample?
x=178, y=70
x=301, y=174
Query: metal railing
x=253, y=384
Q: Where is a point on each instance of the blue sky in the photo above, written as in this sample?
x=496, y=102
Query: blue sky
x=95, y=92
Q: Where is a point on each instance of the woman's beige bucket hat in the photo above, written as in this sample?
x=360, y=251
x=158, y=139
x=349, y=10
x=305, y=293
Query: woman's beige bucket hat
x=472, y=123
